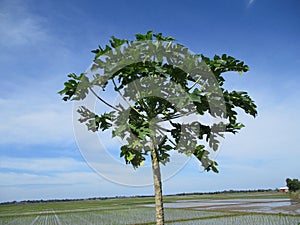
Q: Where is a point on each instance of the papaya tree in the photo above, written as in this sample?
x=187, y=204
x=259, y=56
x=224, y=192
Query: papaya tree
x=161, y=82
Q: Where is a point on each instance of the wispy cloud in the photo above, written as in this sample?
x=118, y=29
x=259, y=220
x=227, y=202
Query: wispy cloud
x=24, y=122
x=18, y=27
x=23, y=186
x=36, y=165
x=45, y=178
x=250, y=2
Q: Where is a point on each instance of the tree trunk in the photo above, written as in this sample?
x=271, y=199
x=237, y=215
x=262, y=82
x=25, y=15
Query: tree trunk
x=159, y=210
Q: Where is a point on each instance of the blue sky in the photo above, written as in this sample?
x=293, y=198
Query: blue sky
x=42, y=41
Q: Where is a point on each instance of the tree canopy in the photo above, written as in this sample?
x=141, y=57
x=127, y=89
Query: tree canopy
x=293, y=184
x=162, y=69
x=161, y=84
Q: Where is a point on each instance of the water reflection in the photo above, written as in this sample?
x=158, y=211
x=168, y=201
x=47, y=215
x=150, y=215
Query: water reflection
x=284, y=206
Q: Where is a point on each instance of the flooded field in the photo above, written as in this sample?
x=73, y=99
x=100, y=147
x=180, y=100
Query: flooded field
x=268, y=208
x=274, y=206
x=245, y=220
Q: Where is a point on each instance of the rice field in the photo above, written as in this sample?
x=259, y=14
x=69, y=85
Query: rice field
x=246, y=220
x=141, y=215
x=131, y=212
x=146, y=216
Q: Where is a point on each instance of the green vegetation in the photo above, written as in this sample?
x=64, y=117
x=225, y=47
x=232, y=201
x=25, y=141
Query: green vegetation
x=133, y=211
x=146, y=216
x=293, y=184
x=294, y=188
x=230, y=195
x=126, y=202
x=246, y=220
x=295, y=196
x=161, y=81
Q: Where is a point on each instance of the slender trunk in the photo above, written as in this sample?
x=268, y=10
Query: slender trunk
x=159, y=210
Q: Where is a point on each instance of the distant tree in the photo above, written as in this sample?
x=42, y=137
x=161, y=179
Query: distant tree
x=155, y=98
x=293, y=184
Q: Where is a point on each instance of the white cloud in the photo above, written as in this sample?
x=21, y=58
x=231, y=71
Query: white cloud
x=37, y=165
x=262, y=155
x=29, y=121
x=23, y=179
x=24, y=186
x=272, y=134
x=46, y=178
x=19, y=27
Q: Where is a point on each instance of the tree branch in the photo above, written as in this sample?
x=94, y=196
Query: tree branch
x=194, y=84
x=178, y=116
x=126, y=99
x=102, y=100
x=159, y=130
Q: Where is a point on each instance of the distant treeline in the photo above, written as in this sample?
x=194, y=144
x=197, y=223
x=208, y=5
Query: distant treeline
x=135, y=196
x=223, y=192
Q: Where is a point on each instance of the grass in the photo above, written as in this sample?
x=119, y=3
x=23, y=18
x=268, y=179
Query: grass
x=84, y=205
x=242, y=195
x=295, y=196
x=121, y=203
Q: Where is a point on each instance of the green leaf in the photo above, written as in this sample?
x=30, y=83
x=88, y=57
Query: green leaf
x=132, y=124
x=129, y=157
x=195, y=96
x=93, y=121
x=75, y=88
x=144, y=37
x=115, y=42
x=214, y=167
x=100, y=51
